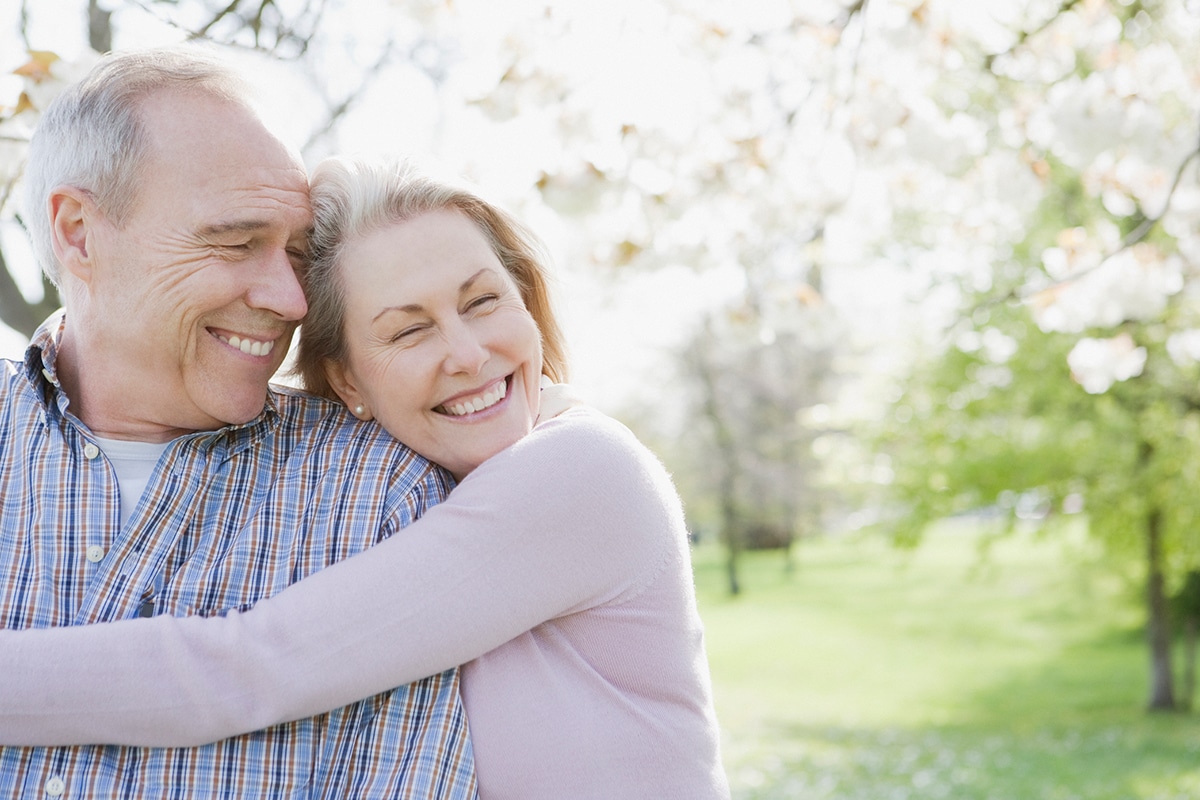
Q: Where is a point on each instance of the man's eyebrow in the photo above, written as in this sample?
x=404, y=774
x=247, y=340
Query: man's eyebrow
x=237, y=226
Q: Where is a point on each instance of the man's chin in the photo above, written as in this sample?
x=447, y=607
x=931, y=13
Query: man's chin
x=233, y=411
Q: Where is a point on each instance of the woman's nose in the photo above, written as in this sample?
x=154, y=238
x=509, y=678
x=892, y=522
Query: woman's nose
x=465, y=353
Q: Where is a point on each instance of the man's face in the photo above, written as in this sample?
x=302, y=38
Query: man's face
x=195, y=296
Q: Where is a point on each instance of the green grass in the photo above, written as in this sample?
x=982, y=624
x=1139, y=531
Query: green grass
x=875, y=673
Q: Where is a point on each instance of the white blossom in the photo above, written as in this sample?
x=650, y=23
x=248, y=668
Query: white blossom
x=1184, y=347
x=1096, y=364
x=1134, y=284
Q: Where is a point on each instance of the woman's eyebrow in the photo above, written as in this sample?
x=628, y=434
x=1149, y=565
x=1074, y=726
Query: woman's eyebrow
x=466, y=285
x=415, y=308
x=410, y=308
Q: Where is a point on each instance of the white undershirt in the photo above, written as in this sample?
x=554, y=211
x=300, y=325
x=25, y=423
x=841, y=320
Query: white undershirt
x=134, y=463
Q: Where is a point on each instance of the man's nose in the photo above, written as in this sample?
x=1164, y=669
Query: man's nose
x=277, y=287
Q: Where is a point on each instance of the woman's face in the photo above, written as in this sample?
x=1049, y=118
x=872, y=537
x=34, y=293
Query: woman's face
x=441, y=348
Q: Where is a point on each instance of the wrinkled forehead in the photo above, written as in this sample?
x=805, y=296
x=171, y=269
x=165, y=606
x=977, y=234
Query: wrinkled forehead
x=218, y=152
x=177, y=122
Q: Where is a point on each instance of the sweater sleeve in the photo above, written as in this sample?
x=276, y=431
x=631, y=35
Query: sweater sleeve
x=570, y=517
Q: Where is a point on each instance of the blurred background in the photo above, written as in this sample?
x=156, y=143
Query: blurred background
x=903, y=292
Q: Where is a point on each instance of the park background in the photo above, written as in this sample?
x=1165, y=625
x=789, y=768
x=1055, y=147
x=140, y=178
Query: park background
x=903, y=292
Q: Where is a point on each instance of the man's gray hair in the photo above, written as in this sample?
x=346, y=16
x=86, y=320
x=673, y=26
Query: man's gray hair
x=92, y=136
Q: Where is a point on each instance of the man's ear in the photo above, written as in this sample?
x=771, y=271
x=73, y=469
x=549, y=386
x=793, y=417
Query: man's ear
x=343, y=383
x=73, y=216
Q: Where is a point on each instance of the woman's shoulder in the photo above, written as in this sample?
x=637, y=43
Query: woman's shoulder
x=580, y=449
x=580, y=419
x=585, y=432
x=583, y=478
x=598, y=452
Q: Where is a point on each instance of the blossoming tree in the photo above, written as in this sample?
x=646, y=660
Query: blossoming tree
x=1069, y=372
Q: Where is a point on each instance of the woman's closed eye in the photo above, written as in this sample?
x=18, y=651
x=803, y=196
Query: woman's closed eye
x=482, y=302
x=409, y=333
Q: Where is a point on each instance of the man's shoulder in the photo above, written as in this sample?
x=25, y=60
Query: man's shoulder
x=325, y=448
x=322, y=420
x=15, y=382
x=300, y=410
x=11, y=371
x=317, y=424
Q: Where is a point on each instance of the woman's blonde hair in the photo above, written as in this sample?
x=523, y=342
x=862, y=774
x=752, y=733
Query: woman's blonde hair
x=352, y=198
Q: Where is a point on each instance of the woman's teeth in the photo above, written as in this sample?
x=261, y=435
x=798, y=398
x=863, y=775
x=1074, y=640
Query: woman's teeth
x=485, y=400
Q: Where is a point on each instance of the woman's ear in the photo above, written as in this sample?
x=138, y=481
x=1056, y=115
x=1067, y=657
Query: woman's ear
x=73, y=216
x=343, y=383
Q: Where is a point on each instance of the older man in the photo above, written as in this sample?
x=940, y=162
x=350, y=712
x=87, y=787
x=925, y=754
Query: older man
x=145, y=465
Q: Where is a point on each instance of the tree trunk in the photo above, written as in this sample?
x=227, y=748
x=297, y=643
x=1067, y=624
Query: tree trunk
x=1187, y=691
x=729, y=535
x=99, y=27
x=727, y=455
x=1158, y=629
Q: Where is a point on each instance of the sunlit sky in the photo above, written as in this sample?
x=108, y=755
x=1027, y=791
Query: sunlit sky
x=618, y=329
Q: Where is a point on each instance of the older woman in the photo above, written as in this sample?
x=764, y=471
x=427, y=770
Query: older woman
x=557, y=571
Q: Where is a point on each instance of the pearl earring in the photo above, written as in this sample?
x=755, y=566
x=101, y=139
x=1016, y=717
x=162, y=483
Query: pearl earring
x=359, y=410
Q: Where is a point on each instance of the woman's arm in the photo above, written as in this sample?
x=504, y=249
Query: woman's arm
x=560, y=522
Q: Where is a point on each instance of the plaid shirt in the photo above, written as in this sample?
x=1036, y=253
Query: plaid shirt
x=229, y=517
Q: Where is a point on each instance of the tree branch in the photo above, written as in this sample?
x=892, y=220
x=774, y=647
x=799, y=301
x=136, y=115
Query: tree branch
x=340, y=110
x=1136, y=235
x=1025, y=36
x=229, y=9
x=24, y=25
x=283, y=32
x=99, y=27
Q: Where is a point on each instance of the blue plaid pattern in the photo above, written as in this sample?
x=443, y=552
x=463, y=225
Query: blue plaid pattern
x=229, y=517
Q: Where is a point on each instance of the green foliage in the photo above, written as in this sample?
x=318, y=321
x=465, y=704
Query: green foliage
x=971, y=432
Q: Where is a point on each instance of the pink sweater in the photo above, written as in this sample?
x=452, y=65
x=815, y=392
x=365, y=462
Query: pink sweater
x=557, y=572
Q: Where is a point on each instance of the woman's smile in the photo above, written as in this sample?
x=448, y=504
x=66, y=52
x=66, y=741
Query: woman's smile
x=475, y=402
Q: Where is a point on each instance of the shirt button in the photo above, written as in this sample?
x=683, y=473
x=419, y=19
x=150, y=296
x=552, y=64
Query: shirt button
x=50, y=377
x=90, y=451
x=55, y=787
x=95, y=553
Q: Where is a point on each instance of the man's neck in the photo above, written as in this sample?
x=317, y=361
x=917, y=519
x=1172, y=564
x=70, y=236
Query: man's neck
x=99, y=399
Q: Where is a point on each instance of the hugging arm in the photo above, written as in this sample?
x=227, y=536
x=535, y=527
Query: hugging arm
x=536, y=532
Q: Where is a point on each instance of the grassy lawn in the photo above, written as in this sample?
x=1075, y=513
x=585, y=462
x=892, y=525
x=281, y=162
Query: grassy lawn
x=874, y=673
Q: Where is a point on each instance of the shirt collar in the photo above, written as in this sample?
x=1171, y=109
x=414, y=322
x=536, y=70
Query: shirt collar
x=41, y=357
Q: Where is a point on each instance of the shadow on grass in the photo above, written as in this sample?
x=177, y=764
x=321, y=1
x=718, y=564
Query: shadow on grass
x=1057, y=732
x=1018, y=675
x=1154, y=760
